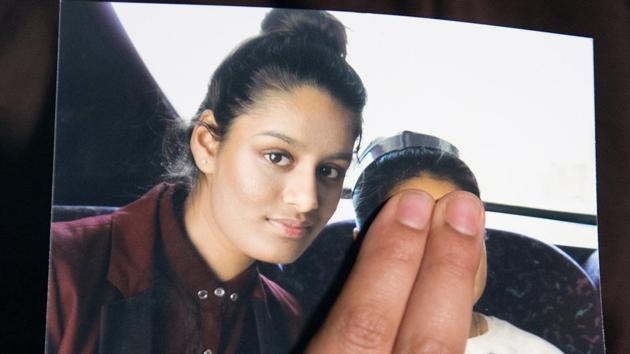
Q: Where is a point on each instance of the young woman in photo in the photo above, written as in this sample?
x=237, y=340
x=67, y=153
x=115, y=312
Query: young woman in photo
x=252, y=178
x=258, y=174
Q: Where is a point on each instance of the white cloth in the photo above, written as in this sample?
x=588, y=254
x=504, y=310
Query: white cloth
x=504, y=338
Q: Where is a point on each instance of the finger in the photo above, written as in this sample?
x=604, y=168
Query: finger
x=367, y=313
x=439, y=309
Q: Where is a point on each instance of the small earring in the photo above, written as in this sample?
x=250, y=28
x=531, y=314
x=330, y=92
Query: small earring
x=204, y=161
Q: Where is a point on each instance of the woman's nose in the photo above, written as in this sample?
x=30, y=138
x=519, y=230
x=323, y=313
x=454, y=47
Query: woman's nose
x=301, y=191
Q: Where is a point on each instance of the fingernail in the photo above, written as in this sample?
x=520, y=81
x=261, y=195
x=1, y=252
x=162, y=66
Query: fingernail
x=464, y=214
x=414, y=210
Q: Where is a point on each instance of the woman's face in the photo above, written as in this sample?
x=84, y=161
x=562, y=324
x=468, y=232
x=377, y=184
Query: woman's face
x=437, y=188
x=276, y=177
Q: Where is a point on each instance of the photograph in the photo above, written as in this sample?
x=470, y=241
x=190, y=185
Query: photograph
x=226, y=178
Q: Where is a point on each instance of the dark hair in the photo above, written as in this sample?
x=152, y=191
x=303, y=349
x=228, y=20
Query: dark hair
x=295, y=48
x=391, y=169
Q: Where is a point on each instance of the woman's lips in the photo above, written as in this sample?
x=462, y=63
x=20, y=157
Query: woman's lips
x=293, y=229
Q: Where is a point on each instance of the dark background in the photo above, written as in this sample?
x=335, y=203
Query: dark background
x=28, y=48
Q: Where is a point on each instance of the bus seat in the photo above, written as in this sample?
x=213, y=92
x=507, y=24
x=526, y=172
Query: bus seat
x=533, y=285
x=540, y=289
x=73, y=212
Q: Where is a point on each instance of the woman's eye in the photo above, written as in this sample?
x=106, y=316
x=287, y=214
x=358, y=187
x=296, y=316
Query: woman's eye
x=277, y=158
x=330, y=172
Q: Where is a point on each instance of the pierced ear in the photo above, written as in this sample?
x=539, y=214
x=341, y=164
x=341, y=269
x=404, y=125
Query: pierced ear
x=204, y=144
x=355, y=233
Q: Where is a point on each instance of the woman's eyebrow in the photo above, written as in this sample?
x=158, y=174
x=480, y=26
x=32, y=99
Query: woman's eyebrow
x=287, y=139
x=340, y=156
x=291, y=141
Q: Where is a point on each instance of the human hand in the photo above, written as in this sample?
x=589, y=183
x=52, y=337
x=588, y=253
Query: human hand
x=411, y=288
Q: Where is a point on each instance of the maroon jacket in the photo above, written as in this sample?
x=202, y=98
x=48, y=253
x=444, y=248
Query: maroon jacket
x=102, y=280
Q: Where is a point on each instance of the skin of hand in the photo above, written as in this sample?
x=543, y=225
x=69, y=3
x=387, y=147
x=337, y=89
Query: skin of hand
x=411, y=288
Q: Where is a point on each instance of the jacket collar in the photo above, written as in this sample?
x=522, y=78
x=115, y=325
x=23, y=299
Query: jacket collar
x=133, y=242
x=135, y=229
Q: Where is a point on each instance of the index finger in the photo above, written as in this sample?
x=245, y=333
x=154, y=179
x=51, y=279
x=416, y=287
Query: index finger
x=366, y=316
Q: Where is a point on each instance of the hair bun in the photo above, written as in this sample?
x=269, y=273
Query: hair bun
x=319, y=25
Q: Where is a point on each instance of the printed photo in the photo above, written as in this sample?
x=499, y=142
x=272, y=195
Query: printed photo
x=217, y=170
